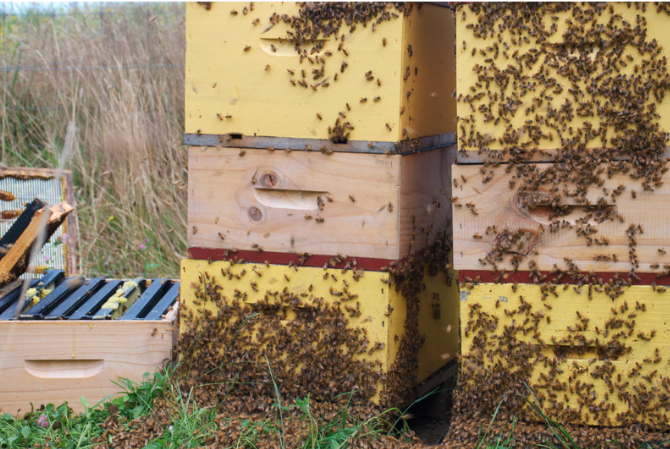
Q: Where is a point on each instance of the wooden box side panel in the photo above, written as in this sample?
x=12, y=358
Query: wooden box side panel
x=425, y=189
x=438, y=321
x=328, y=284
x=51, y=362
x=254, y=88
x=475, y=55
x=496, y=204
x=586, y=333
x=270, y=200
x=429, y=61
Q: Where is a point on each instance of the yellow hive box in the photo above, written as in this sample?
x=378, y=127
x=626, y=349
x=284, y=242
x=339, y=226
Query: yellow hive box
x=240, y=71
x=522, y=72
x=360, y=205
x=587, y=358
x=368, y=303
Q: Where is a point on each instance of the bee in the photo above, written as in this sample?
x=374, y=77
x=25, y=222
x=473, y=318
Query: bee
x=348, y=107
x=352, y=198
x=287, y=278
x=379, y=82
x=389, y=127
x=273, y=48
x=292, y=72
x=154, y=332
x=384, y=41
x=477, y=236
x=377, y=98
x=229, y=116
x=318, y=115
x=221, y=236
x=233, y=12
x=247, y=48
x=319, y=220
x=267, y=68
x=368, y=75
x=256, y=22
x=363, y=99
x=195, y=230
x=242, y=152
x=308, y=216
x=219, y=116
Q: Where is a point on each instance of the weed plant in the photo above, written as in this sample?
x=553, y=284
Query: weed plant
x=116, y=72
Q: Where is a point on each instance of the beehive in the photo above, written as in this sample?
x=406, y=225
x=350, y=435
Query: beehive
x=68, y=340
x=359, y=205
x=55, y=361
x=560, y=232
x=326, y=330
x=391, y=80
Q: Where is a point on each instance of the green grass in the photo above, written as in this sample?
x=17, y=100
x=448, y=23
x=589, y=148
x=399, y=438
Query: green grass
x=184, y=423
x=563, y=438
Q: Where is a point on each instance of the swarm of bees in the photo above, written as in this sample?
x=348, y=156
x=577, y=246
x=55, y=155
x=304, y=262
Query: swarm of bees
x=595, y=103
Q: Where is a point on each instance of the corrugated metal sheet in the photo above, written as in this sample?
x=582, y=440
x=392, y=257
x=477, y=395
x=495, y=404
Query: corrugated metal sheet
x=53, y=254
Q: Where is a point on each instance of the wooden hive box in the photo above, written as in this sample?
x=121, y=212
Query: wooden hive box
x=502, y=116
x=55, y=361
x=305, y=319
x=269, y=204
x=598, y=361
x=244, y=75
x=64, y=345
x=560, y=233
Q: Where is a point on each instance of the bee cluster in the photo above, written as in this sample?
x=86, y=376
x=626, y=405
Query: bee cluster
x=579, y=87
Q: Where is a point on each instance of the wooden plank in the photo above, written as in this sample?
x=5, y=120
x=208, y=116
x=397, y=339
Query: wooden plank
x=369, y=291
x=56, y=361
x=293, y=144
x=496, y=204
x=252, y=95
x=574, y=333
x=476, y=59
x=223, y=199
x=14, y=263
x=425, y=189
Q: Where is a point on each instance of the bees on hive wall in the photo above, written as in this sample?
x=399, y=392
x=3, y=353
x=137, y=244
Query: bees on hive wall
x=549, y=83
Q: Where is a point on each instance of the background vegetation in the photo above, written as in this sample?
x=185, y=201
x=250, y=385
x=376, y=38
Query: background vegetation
x=116, y=71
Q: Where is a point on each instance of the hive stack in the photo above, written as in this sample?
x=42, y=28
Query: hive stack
x=561, y=235
x=320, y=147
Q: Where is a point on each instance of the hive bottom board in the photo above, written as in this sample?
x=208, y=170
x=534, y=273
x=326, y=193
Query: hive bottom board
x=588, y=355
x=54, y=361
x=342, y=303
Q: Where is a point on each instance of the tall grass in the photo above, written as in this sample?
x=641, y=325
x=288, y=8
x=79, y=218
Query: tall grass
x=116, y=71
